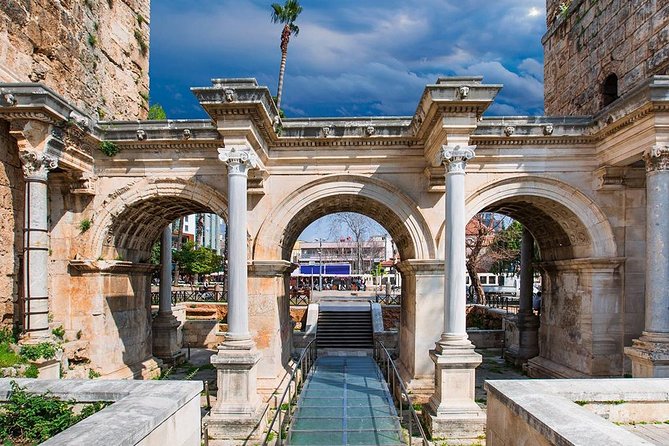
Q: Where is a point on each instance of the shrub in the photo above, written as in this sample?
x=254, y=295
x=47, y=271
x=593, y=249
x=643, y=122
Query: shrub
x=59, y=332
x=85, y=224
x=109, y=148
x=33, y=418
x=43, y=350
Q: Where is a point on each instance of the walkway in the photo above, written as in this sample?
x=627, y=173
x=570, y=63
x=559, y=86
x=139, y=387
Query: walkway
x=345, y=401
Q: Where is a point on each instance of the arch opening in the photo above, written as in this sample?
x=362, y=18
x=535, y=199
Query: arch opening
x=384, y=216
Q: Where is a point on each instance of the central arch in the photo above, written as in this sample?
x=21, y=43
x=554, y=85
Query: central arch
x=374, y=198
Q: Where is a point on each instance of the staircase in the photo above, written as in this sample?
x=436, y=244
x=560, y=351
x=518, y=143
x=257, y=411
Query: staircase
x=345, y=328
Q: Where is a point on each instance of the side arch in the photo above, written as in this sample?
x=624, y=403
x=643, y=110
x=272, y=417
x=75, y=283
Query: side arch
x=552, y=210
x=381, y=201
x=131, y=218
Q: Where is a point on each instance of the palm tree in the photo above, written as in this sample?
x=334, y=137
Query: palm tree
x=286, y=14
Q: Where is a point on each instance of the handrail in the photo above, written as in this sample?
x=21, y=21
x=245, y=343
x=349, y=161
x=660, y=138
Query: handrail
x=304, y=363
x=387, y=366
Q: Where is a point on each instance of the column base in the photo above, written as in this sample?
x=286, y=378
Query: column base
x=238, y=416
x=457, y=428
x=165, y=345
x=527, y=346
x=451, y=412
x=235, y=430
x=650, y=355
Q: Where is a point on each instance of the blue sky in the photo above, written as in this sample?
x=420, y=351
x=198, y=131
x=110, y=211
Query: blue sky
x=351, y=58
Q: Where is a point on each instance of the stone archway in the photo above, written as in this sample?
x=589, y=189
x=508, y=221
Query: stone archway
x=112, y=276
x=131, y=219
x=379, y=200
x=580, y=271
x=422, y=275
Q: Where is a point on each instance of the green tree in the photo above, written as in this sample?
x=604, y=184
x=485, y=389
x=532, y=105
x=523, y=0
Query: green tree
x=506, y=248
x=286, y=14
x=157, y=113
x=197, y=260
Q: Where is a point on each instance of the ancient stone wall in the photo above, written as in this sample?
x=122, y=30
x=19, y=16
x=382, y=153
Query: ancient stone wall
x=594, y=39
x=11, y=216
x=92, y=52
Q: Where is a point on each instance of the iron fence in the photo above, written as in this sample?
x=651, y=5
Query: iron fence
x=300, y=297
x=179, y=296
x=389, y=299
x=508, y=303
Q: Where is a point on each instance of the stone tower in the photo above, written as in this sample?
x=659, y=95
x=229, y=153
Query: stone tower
x=598, y=50
x=94, y=53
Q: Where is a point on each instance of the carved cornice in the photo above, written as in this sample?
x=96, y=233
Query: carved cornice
x=657, y=158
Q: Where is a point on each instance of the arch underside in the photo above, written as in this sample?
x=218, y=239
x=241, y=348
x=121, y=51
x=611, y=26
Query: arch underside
x=558, y=232
x=138, y=227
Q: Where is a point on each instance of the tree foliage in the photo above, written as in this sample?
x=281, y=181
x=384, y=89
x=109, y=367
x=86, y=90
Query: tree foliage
x=358, y=226
x=197, y=260
x=157, y=113
x=287, y=15
x=491, y=246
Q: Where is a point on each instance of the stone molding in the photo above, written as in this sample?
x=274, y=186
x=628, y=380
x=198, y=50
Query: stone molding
x=111, y=267
x=421, y=267
x=270, y=268
x=591, y=264
x=455, y=157
x=657, y=158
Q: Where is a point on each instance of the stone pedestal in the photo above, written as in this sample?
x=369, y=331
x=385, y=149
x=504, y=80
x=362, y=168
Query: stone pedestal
x=451, y=412
x=237, y=416
x=527, y=346
x=165, y=342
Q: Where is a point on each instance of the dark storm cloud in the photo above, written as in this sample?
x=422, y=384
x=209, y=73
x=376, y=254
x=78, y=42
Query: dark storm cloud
x=351, y=57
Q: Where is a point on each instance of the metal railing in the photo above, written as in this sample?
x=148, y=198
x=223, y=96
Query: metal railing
x=275, y=435
x=389, y=299
x=179, y=296
x=300, y=297
x=399, y=393
x=502, y=302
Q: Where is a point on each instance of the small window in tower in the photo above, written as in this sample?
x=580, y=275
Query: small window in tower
x=610, y=89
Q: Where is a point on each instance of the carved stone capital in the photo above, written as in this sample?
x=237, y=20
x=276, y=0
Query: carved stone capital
x=455, y=157
x=657, y=158
x=239, y=159
x=36, y=165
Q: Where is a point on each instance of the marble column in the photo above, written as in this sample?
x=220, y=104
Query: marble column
x=527, y=324
x=650, y=353
x=452, y=412
x=237, y=413
x=165, y=325
x=36, y=166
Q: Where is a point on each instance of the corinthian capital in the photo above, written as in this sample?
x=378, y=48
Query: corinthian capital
x=239, y=159
x=657, y=158
x=37, y=164
x=455, y=157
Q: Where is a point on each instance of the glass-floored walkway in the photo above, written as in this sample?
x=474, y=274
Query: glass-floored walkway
x=345, y=401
